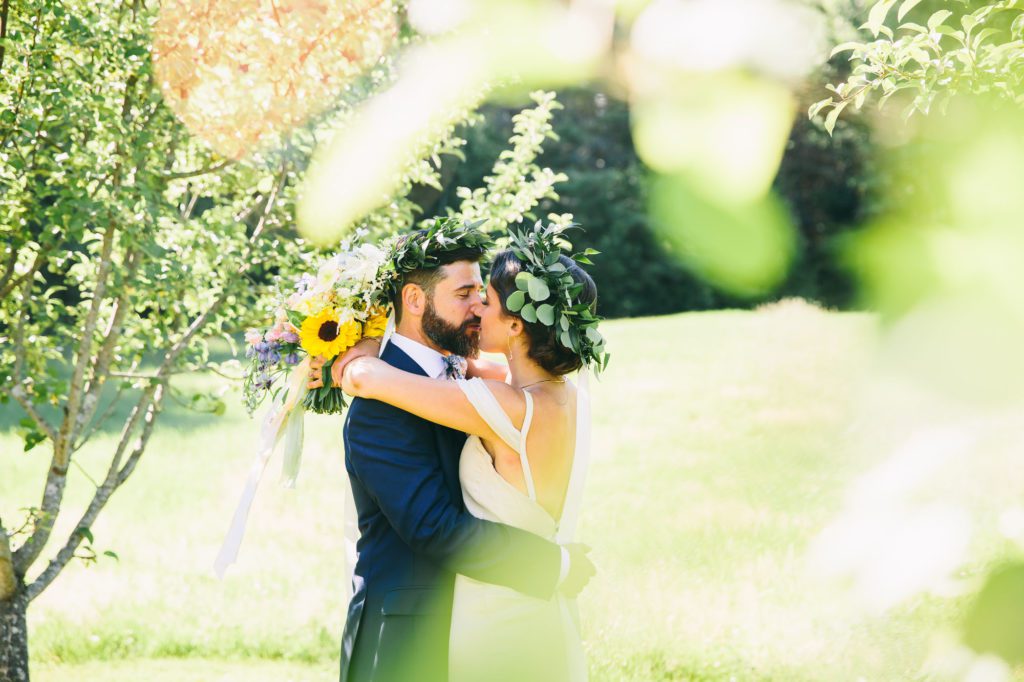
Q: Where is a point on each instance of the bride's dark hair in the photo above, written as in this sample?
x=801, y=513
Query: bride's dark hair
x=544, y=347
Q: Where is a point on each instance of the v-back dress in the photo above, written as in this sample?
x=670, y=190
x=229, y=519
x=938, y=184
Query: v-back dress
x=496, y=632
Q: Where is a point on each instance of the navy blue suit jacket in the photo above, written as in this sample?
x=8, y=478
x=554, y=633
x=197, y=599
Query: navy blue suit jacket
x=415, y=535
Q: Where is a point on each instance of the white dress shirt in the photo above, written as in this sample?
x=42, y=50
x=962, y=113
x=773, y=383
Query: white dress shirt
x=433, y=363
x=430, y=360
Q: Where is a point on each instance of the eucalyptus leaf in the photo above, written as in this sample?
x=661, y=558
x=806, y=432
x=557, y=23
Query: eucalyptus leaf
x=546, y=314
x=528, y=313
x=515, y=301
x=539, y=290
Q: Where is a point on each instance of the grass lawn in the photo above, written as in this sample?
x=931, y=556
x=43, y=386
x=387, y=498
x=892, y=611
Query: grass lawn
x=721, y=446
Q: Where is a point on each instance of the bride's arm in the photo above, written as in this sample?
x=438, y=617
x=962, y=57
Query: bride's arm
x=437, y=400
x=487, y=369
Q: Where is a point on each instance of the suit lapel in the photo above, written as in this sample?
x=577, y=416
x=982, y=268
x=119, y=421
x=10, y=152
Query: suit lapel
x=396, y=357
x=449, y=441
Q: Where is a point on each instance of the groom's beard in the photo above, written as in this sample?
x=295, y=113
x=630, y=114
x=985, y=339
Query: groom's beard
x=454, y=339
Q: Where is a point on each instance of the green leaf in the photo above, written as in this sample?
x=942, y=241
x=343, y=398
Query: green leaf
x=515, y=301
x=546, y=314
x=1017, y=27
x=112, y=555
x=877, y=16
x=833, y=116
x=594, y=336
x=523, y=281
x=32, y=439
x=843, y=47
x=995, y=620
x=529, y=313
x=566, y=339
x=86, y=533
x=905, y=7
x=817, y=107
x=539, y=290
x=563, y=322
x=936, y=20
x=911, y=26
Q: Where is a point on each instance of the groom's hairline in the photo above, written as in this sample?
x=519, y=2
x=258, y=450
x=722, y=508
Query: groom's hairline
x=431, y=281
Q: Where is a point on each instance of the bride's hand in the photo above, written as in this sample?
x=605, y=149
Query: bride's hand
x=316, y=364
x=365, y=347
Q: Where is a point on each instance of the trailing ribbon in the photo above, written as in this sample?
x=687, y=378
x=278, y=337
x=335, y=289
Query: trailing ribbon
x=279, y=419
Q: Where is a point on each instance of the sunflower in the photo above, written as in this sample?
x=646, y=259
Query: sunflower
x=376, y=323
x=325, y=334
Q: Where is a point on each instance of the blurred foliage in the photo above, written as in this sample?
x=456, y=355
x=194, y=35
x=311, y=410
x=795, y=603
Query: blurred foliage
x=925, y=53
x=829, y=185
x=995, y=620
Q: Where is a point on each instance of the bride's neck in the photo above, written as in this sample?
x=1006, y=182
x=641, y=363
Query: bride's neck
x=526, y=372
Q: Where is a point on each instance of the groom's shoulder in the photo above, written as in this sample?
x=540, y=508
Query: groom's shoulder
x=365, y=410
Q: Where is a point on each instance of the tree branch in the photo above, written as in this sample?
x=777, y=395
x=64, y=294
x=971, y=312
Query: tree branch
x=71, y=408
x=18, y=393
x=16, y=390
x=201, y=171
x=12, y=260
x=56, y=477
x=21, y=85
x=116, y=476
x=106, y=353
x=8, y=578
x=3, y=30
x=11, y=284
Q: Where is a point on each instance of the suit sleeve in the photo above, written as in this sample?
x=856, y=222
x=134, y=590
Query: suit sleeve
x=392, y=454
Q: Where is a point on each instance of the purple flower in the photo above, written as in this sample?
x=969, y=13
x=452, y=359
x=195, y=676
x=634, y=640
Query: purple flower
x=292, y=359
x=290, y=337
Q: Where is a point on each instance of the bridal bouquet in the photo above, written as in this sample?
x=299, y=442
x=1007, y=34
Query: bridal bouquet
x=322, y=315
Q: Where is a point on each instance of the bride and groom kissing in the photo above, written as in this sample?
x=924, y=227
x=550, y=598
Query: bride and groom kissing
x=467, y=474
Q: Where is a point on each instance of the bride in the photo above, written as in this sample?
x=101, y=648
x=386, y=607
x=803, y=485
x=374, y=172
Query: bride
x=517, y=463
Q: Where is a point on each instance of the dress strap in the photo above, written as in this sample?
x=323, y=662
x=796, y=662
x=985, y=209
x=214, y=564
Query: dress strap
x=490, y=410
x=523, y=459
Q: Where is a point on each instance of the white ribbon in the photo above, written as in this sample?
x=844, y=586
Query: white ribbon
x=279, y=418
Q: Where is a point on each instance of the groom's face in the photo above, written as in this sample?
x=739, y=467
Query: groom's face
x=450, y=318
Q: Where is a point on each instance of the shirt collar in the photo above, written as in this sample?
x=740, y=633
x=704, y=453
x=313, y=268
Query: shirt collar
x=427, y=358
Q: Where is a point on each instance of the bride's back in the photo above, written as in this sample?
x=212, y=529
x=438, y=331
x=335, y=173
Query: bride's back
x=550, y=444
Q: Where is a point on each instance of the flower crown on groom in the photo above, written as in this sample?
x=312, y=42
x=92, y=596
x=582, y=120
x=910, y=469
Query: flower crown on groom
x=423, y=249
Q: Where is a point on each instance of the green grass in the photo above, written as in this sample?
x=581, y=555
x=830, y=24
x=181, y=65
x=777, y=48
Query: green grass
x=720, y=449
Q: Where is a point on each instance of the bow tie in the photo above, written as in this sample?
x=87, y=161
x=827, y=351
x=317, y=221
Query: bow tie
x=455, y=367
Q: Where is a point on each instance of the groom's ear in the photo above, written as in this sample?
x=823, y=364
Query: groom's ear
x=414, y=300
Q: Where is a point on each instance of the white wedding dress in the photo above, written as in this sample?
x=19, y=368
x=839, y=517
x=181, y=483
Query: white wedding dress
x=498, y=633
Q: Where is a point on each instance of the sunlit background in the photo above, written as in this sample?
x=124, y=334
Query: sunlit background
x=807, y=448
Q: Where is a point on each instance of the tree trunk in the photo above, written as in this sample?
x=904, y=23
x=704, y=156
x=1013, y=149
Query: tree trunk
x=14, y=638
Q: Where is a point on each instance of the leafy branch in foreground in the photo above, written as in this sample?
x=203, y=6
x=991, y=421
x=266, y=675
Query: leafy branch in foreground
x=954, y=51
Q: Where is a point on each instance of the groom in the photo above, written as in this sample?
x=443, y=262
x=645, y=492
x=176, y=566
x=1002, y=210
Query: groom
x=415, y=532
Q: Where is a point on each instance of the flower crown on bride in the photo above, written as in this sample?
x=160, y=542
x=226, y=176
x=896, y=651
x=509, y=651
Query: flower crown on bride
x=547, y=292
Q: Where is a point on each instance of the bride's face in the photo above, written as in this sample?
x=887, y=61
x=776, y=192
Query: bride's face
x=494, y=324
